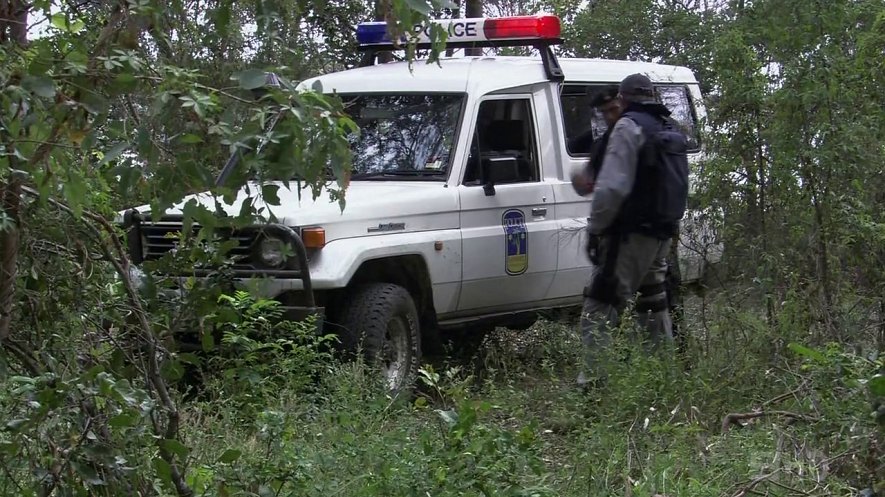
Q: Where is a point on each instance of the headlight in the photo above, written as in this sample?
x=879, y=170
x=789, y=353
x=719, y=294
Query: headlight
x=270, y=252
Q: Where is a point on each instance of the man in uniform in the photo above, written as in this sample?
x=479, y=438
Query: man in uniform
x=606, y=101
x=640, y=194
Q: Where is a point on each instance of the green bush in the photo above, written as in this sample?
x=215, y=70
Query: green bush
x=261, y=354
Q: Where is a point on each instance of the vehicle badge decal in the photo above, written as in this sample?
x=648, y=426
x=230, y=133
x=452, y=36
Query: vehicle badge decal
x=386, y=227
x=516, y=259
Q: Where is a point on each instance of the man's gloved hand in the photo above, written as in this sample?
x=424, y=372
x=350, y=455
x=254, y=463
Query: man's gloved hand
x=593, y=248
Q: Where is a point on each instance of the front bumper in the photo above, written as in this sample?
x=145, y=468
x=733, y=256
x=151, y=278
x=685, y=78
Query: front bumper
x=279, y=284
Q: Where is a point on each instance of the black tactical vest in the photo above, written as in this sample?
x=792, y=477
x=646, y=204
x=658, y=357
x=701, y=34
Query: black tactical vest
x=660, y=192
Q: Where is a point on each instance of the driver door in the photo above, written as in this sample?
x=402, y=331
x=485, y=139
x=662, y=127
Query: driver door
x=508, y=221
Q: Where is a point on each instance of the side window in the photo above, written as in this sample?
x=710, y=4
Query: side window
x=583, y=122
x=504, y=146
x=678, y=100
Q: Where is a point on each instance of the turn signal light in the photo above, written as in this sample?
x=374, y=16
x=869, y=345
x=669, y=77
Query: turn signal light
x=313, y=237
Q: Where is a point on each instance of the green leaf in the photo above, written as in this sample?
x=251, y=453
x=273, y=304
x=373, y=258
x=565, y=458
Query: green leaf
x=251, y=79
x=246, y=208
x=9, y=448
x=807, y=352
x=175, y=447
x=114, y=152
x=59, y=21
x=87, y=473
x=877, y=385
x=444, y=4
x=188, y=357
x=164, y=471
x=270, y=194
x=208, y=342
x=129, y=177
x=125, y=391
x=421, y=6
x=39, y=85
x=94, y=103
x=450, y=417
x=75, y=191
x=122, y=420
x=190, y=138
x=222, y=17
x=124, y=82
x=229, y=456
x=16, y=424
x=172, y=370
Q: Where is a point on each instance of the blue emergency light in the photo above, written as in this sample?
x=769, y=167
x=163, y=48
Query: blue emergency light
x=536, y=28
x=372, y=33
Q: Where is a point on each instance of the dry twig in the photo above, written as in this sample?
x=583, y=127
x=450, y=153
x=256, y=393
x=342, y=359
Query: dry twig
x=748, y=488
x=735, y=418
x=787, y=395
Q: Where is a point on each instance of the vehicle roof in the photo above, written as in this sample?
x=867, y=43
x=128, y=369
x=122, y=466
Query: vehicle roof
x=485, y=74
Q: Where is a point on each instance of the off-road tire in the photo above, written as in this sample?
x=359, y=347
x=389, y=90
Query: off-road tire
x=381, y=321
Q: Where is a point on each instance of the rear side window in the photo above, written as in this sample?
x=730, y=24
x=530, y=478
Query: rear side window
x=678, y=100
x=580, y=119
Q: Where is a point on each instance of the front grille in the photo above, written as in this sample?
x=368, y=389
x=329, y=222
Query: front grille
x=161, y=237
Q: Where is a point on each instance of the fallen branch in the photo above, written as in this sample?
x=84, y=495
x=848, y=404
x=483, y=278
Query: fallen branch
x=785, y=396
x=736, y=418
x=748, y=488
x=789, y=488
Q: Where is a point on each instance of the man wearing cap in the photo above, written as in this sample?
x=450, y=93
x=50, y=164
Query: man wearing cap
x=606, y=101
x=633, y=218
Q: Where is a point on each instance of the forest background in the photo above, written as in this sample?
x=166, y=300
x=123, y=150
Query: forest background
x=111, y=103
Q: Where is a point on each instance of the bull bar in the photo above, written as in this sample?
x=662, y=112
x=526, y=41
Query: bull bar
x=133, y=226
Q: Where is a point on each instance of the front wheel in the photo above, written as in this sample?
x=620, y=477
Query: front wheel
x=382, y=319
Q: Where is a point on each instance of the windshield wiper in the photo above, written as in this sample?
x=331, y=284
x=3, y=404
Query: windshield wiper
x=405, y=173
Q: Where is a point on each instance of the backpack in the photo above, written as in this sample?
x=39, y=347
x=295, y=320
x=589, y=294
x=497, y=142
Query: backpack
x=663, y=160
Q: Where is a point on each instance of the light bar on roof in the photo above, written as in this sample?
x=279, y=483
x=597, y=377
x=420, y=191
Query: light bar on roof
x=518, y=28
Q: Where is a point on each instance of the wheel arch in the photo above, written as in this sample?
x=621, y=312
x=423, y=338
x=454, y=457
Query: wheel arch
x=409, y=271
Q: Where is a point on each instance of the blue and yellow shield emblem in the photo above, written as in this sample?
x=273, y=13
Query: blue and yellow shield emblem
x=516, y=235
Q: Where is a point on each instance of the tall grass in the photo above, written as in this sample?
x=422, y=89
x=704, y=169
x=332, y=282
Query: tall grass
x=507, y=421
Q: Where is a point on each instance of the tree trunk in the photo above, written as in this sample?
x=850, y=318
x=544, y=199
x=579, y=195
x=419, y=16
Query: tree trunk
x=10, y=199
x=474, y=9
x=14, y=22
x=13, y=29
x=456, y=13
x=382, y=8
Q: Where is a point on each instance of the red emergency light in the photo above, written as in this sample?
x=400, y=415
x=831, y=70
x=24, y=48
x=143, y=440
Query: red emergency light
x=522, y=27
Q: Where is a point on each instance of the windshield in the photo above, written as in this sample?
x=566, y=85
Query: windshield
x=403, y=136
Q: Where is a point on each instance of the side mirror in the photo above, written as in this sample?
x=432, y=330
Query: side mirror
x=498, y=170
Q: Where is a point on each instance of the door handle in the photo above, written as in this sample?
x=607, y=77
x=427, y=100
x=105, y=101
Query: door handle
x=539, y=211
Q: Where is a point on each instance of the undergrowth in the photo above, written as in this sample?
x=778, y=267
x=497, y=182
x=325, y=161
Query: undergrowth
x=733, y=416
x=736, y=414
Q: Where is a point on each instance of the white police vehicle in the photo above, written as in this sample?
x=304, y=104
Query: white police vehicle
x=460, y=211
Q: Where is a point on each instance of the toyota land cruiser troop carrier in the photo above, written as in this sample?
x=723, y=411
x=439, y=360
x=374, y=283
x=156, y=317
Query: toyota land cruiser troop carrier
x=460, y=211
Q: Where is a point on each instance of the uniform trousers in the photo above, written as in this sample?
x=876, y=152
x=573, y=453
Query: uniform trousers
x=628, y=264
